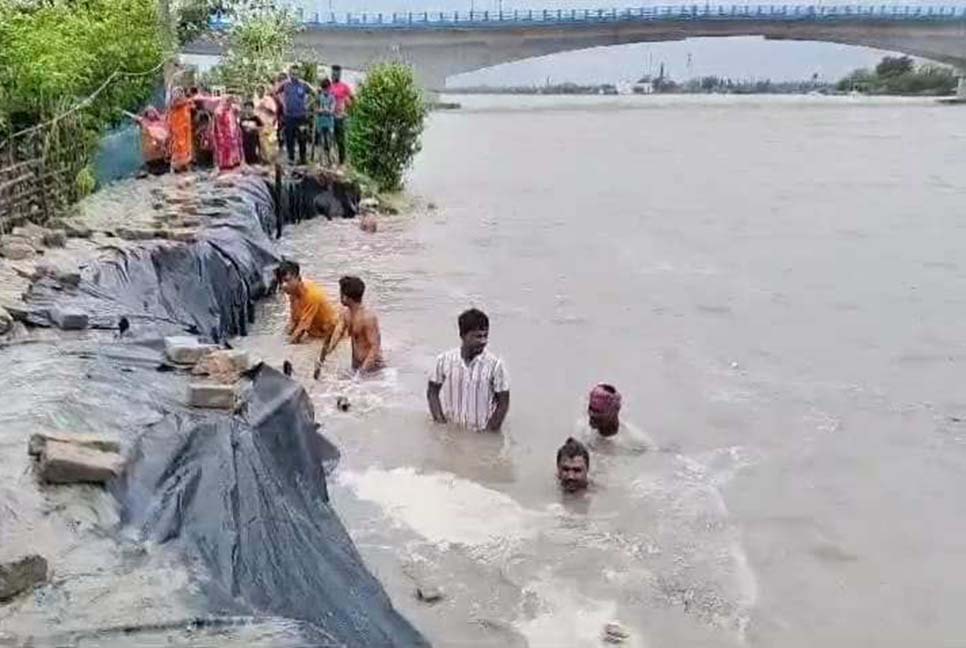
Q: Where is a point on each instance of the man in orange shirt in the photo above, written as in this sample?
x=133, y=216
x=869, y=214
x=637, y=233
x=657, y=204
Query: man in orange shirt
x=312, y=314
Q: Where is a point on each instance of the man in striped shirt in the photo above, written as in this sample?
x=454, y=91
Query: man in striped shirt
x=469, y=386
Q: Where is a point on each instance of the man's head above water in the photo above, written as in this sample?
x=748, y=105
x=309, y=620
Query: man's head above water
x=573, y=466
x=474, y=328
x=603, y=409
x=289, y=277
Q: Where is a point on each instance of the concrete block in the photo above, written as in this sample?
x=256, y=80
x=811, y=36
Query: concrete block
x=38, y=442
x=55, y=238
x=211, y=396
x=186, y=350
x=68, y=319
x=68, y=463
x=18, y=576
x=16, y=249
x=223, y=365
x=428, y=591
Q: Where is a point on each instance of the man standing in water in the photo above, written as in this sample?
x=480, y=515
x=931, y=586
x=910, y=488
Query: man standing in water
x=573, y=466
x=361, y=324
x=603, y=412
x=473, y=383
x=311, y=313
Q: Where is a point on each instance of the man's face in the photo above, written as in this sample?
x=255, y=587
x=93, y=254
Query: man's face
x=572, y=473
x=336, y=75
x=600, y=419
x=345, y=300
x=290, y=283
x=475, y=341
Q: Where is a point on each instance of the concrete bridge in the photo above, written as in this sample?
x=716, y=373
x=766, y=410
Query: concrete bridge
x=439, y=45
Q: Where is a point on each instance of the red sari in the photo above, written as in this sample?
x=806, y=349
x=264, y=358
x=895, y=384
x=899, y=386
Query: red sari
x=228, y=137
x=182, y=140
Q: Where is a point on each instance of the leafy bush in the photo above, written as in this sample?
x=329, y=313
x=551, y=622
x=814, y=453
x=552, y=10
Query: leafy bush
x=257, y=44
x=900, y=76
x=385, y=124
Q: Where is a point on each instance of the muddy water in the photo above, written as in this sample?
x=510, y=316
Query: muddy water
x=776, y=287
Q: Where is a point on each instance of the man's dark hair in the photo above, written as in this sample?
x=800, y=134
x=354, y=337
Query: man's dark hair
x=336, y=68
x=288, y=268
x=326, y=83
x=608, y=388
x=192, y=91
x=573, y=448
x=353, y=288
x=473, y=320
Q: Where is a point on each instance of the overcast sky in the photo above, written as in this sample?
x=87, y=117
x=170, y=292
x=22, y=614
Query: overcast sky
x=739, y=58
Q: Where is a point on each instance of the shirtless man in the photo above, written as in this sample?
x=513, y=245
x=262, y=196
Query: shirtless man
x=361, y=325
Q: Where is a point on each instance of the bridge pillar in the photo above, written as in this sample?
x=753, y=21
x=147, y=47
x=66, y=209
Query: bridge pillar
x=961, y=89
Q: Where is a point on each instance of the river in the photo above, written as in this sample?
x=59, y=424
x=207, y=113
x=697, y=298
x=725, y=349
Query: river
x=777, y=286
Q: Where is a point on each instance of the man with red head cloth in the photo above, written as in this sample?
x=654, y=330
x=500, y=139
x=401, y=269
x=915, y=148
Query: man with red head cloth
x=603, y=412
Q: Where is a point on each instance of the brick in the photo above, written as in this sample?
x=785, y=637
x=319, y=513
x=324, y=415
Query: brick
x=18, y=576
x=186, y=350
x=68, y=319
x=68, y=463
x=211, y=396
x=38, y=442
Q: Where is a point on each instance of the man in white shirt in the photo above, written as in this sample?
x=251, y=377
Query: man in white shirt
x=469, y=386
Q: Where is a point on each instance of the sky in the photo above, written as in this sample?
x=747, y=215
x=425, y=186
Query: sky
x=737, y=58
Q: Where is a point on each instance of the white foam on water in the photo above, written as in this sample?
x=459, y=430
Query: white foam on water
x=693, y=496
x=443, y=508
x=554, y=613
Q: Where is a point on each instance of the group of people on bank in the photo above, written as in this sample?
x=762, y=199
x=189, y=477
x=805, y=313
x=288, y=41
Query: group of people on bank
x=468, y=386
x=201, y=129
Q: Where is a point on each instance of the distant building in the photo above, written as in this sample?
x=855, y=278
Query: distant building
x=643, y=86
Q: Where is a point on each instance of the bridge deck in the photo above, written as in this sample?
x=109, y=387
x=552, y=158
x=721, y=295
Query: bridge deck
x=531, y=18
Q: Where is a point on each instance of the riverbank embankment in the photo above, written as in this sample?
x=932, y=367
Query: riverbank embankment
x=219, y=528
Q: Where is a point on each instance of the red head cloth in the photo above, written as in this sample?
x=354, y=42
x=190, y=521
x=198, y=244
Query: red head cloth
x=606, y=400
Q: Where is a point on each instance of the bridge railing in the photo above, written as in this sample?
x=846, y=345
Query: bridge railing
x=704, y=12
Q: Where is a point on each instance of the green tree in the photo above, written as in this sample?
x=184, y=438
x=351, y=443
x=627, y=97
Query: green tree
x=894, y=66
x=58, y=50
x=385, y=124
x=257, y=44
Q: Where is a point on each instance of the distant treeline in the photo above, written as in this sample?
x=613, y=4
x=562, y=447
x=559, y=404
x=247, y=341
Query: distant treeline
x=899, y=75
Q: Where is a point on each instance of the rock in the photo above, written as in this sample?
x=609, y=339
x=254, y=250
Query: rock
x=369, y=203
x=68, y=278
x=6, y=321
x=76, y=230
x=55, y=238
x=131, y=234
x=16, y=249
x=429, y=593
x=183, y=236
x=18, y=576
x=615, y=633
x=68, y=319
x=69, y=463
x=211, y=396
x=186, y=350
x=32, y=232
x=38, y=442
x=226, y=366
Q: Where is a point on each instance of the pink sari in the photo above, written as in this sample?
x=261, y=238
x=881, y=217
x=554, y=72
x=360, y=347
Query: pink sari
x=228, y=137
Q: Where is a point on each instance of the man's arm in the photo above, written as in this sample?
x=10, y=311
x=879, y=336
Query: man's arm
x=374, y=342
x=435, y=407
x=305, y=322
x=502, y=407
x=332, y=341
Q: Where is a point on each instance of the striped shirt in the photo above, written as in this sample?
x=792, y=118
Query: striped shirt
x=469, y=390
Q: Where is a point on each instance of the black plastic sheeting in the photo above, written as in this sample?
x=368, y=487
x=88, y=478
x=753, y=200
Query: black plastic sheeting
x=242, y=497
x=305, y=195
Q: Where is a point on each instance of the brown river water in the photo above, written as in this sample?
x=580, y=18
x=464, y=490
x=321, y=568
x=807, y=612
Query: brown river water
x=776, y=285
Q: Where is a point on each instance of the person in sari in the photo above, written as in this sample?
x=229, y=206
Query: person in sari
x=180, y=125
x=267, y=110
x=228, y=136
x=203, y=127
x=154, y=140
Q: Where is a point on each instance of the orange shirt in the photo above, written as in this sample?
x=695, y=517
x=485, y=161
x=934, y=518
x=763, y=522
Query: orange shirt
x=311, y=312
